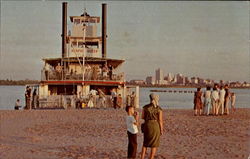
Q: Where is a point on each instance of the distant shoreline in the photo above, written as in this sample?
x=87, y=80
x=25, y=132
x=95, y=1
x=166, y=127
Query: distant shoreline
x=17, y=82
x=143, y=86
x=175, y=86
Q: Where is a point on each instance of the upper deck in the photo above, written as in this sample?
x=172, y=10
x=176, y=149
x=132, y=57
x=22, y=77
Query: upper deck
x=79, y=69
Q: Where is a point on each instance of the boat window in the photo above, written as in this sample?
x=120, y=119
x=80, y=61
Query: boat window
x=74, y=44
x=80, y=44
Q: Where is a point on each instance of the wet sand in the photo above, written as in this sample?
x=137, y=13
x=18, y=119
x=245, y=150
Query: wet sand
x=101, y=134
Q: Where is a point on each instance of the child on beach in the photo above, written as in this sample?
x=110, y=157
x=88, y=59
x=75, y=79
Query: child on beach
x=132, y=130
x=233, y=98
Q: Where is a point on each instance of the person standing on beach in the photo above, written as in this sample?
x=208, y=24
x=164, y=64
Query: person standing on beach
x=227, y=96
x=128, y=100
x=119, y=101
x=114, y=98
x=152, y=126
x=101, y=99
x=34, y=99
x=207, y=100
x=93, y=93
x=215, y=100
x=133, y=97
x=132, y=130
x=197, y=101
x=233, y=99
x=27, y=98
x=222, y=93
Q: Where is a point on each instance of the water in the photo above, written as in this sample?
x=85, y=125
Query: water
x=9, y=94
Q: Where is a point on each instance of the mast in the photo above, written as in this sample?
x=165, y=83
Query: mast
x=64, y=28
x=64, y=35
x=104, y=30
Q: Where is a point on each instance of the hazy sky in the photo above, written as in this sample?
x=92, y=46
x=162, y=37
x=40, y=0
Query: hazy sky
x=205, y=39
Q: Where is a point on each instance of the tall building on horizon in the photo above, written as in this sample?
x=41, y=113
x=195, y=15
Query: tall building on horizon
x=169, y=78
x=150, y=80
x=159, y=76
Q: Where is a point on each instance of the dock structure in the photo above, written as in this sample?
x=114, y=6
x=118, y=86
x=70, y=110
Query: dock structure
x=83, y=67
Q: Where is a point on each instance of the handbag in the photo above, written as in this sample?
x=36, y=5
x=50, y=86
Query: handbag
x=142, y=127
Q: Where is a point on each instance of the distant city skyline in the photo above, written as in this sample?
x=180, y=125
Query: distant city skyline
x=198, y=38
x=179, y=79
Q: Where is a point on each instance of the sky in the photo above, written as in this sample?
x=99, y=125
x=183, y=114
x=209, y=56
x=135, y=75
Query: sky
x=198, y=38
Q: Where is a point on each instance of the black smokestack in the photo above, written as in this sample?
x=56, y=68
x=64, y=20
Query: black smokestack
x=64, y=28
x=104, y=30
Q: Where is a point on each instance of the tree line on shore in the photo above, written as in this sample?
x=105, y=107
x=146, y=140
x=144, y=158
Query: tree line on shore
x=18, y=82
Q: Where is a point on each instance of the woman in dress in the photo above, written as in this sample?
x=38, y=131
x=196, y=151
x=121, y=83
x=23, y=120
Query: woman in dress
x=197, y=101
x=153, y=126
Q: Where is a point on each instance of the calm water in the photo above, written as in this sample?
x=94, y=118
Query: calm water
x=9, y=94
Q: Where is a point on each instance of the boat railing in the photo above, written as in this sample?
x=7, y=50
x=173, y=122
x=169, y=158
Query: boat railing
x=72, y=101
x=88, y=76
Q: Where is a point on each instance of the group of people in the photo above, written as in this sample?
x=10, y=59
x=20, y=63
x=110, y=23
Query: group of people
x=216, y=102
x=48, y=70
x=92, y=72
x=95, y=72
x=152, y=127
x=97, y=99
x=31, y=99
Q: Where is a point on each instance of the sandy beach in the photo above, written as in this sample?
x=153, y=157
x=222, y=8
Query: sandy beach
x=101, y=134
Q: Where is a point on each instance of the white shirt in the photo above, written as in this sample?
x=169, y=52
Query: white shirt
x=222, y=94
x=131, y=127
x=207, y=94
x=47, y=67
x=93, y=92
x=215, y=95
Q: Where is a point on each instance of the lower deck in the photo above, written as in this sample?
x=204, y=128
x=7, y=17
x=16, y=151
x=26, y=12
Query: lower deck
x=83, y=94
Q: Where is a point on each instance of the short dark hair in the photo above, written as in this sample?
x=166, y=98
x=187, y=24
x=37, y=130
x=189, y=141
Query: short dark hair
x=208, y=87
x=127, y=108
x=199, y=88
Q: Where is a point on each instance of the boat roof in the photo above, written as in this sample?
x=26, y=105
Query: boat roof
x=114, y=62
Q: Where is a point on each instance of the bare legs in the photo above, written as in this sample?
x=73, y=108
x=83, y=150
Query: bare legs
x=198, y=112
x=195, y=112
x=214, y=107
x=152, y=154
x=143, y=152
